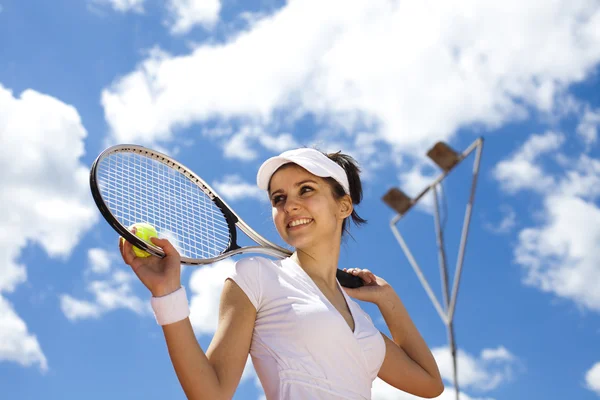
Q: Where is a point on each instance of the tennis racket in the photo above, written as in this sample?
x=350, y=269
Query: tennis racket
x=132, y=184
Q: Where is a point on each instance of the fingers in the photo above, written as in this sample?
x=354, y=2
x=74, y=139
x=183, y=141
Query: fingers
x=365, y=274
x=130, y=258
x=126, y=251
x=166, y=246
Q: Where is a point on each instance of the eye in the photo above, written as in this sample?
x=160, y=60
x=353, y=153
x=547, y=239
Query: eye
x=306, y=189
x=277, y=199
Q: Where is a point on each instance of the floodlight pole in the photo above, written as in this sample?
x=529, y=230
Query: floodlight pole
x=447, y=312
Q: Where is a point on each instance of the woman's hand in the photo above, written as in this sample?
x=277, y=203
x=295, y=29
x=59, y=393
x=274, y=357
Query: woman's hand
x=374, y=290
x=160, y=275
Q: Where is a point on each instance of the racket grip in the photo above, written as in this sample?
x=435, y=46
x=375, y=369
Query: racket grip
x=349, y=280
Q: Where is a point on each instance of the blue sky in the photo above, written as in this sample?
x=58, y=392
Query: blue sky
x=222, y=85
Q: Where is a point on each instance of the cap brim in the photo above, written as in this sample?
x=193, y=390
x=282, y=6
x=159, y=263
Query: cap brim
x=271, y=166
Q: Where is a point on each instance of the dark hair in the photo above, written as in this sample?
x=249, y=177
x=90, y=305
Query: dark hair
x=349, y=165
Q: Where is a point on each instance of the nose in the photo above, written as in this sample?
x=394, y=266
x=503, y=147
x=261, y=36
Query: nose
x=291, y=204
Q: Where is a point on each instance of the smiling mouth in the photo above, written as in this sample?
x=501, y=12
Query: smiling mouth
x=299, y=222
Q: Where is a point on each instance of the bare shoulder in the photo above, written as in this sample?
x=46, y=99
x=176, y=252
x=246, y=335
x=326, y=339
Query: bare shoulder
x=234, y=299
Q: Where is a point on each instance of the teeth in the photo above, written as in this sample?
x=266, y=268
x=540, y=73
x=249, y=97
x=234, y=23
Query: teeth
x=300, y=222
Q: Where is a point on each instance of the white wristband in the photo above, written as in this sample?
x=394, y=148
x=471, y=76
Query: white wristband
x=171, y=308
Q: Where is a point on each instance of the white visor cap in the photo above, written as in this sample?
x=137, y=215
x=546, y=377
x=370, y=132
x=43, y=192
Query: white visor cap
x=311, y=160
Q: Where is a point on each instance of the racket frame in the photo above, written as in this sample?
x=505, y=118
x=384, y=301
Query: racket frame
x=233, y=220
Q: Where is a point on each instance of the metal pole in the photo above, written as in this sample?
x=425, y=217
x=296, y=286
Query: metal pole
x=420, y=275
x=465, y=231
x=445, y=290
x=446, y=315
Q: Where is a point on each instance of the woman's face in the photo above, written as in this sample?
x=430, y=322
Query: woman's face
x=305, y=212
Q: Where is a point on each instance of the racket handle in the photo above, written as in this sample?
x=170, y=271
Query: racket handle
x=349, y=280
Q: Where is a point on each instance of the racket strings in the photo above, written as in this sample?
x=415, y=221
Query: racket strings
x=137, y=188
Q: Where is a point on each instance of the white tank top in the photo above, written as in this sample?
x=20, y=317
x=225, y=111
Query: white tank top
x=302, y=348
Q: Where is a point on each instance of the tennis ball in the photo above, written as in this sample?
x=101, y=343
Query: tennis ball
x=144, y=231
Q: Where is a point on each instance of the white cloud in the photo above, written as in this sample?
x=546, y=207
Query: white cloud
x=99, y=260
x=117, y=292
x=582, y=178
x=78, y=309
x=45, y=187
x=560, y=254
x=383, y=391
x=124, y=5
x=508, y=222
x=588, y=127
x=237, y=147
x=498, y=354
x=483, y=373
x=521, y=171
x=108, y=295
x=233, y=188
x=365, y=145
x=17, y=344
x=279, y=143
x=111, y=289
x=205, y=286
x=185, y=14
x=45, y=191
x=592, y=378
x=414, y=181
x=242, y=144
x=409, y=72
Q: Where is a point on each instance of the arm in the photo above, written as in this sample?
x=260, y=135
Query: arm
x=216, y=374
x=408, y=364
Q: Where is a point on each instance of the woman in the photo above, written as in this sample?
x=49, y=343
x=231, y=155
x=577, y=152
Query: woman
x=308, y=339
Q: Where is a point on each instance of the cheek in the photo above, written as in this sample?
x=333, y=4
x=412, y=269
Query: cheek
x=322, y=207
x=277, y=216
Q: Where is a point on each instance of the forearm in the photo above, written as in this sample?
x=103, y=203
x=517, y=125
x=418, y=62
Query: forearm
x=405, y=334
x=194, y=371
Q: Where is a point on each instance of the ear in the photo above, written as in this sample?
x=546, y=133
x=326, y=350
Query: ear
x=346, y=207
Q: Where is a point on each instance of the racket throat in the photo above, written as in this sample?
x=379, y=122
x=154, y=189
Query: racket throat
x=232, y=247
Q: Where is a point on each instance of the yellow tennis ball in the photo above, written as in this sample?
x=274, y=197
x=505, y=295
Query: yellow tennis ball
x=144, y=231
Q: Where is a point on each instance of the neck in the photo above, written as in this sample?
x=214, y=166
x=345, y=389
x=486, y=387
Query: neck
x=320, y=262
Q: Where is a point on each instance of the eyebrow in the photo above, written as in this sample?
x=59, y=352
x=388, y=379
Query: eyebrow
x=296, y=185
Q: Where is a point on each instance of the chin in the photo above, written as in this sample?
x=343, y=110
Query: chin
x=298, y=243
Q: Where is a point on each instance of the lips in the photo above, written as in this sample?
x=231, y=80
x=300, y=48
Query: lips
x=299, y=222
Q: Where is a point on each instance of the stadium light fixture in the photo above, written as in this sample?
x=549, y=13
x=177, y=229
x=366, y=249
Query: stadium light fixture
x=446, y=159
x=397, y=200
x=444, y=156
